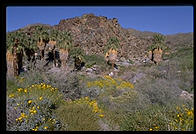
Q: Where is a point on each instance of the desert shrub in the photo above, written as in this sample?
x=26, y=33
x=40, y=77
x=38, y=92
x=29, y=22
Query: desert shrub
x=158, y=118
x=109, y=86
x=159, y=90
x=94, y=59
x=92, y=92
x=183, y=119
x=36, y=104
x=12, y=84
x=117, y=94
x=68, y=84
x=32, y=77
x=144, y=120
x=80, y=115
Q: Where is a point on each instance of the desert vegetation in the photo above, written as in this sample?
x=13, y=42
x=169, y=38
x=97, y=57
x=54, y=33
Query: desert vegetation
x=94, y=92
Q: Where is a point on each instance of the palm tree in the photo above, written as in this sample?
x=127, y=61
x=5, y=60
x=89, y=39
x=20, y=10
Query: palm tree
x=111, y=50
x=155, y=51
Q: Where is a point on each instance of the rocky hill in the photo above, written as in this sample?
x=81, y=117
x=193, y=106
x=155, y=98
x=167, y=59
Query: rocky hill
x=92, y=32
x=176, y=41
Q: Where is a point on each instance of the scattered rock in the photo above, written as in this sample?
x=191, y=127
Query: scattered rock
x=122, y=59
x=111, y=74
x=185, y=95
x=89, y=70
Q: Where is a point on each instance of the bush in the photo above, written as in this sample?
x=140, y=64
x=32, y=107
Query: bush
x=158, y=118
x=36, y=104
x=80, y=115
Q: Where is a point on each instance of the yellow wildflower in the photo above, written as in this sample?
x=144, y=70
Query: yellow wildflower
x=34, y=129
x=40, y=98
x=11, y=95
x=150, y=129
x=25, y=90
x=45, y=127
x=23, y=115
x=86, y=98
x=30, y=101
x=189, y=113
x=101, y=115
x=19, y=89
x=34, y=111
x=48, y=86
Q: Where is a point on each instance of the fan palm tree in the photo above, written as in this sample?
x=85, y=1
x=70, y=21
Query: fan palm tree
x=155, y=51
x=111, y=50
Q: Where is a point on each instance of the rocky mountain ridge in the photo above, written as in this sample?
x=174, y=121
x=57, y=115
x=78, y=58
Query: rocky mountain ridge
x=91, y=33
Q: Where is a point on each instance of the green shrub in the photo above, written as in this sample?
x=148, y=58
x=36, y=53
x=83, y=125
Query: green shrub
x=94, y=59
x=158, y=118
x=78, y=116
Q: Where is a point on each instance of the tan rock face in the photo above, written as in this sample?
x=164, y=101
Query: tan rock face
x=63, y=57
x=157, y=55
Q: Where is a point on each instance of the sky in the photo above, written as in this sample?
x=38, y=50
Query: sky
x=161, y=19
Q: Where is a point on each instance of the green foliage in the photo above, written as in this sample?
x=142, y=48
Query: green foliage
x=158, y=42
x=76, y=51
x=94, y=59
x=64, y=39
x=157, y=118
x=29, y=40
x=113, y=43
x=78, y=117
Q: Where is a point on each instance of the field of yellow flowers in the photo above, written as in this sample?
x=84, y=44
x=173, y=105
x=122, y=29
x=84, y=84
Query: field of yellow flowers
x=43, y=107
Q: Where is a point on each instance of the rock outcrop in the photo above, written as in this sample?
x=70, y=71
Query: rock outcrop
x=92, y=32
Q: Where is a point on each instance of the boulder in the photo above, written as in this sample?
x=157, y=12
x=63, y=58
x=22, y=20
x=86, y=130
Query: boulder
x=185, y=95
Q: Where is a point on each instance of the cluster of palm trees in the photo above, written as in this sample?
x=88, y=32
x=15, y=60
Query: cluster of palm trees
x=28, y=42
